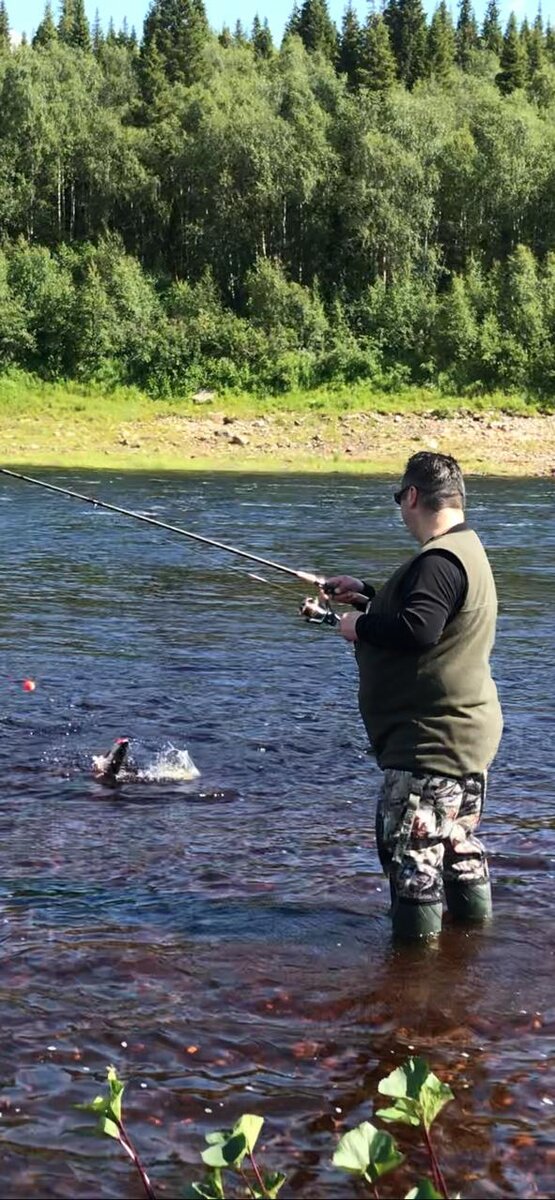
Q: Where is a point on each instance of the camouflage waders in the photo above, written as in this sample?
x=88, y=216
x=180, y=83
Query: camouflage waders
x=425, y=835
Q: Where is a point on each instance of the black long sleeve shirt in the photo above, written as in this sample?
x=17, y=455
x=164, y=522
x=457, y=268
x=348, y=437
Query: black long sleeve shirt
x=434, y=591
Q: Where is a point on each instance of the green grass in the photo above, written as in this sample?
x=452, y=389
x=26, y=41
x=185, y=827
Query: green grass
x=26, y=395
x=78, y=425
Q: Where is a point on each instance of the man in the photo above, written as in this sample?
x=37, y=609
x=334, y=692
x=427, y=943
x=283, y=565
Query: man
x=428, y=701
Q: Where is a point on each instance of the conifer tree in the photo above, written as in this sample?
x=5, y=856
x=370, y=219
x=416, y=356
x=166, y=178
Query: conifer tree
x=65, y=23
x=317, y=29
x=46, y=30
x=261, y=38
x=240, y=38
x=535, y=53
x=225, y=39
x=123, y=35
x=293, y=24
x=350, y=47
x=441, y=43
x=378, y=67
x=513, y=69
x=180, y=29
x=392, y=18
x=467, y=34
x=492, y=34
x=81, y=34
x=549, y=42
x=97, y=34
x=413, y=36
x=4, y=28
x=111, y=38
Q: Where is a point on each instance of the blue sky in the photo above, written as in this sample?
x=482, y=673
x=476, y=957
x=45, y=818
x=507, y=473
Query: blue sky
x=26, y=14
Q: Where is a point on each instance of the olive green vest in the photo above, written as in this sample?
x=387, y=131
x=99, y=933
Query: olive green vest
x=436, y=711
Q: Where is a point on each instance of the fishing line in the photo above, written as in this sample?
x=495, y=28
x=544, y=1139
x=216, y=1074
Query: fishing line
x=316, y=580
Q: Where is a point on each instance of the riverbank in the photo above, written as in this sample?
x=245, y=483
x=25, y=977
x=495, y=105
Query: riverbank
x=356, y=431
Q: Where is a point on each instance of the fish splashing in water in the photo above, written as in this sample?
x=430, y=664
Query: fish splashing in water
x=169, y=764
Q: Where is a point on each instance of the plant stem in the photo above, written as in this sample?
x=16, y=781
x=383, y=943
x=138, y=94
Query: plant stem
x=439, y=1181
x=259, y=1178
x=129, y=1147
x=373, y=1185
x=246, y=1181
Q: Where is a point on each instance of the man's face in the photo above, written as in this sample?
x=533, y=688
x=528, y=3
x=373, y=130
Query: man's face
x=406, y=497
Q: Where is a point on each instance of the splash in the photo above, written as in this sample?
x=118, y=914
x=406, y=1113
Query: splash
x=170, y=764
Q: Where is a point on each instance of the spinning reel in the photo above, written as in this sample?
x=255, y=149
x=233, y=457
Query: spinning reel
x=316, y=613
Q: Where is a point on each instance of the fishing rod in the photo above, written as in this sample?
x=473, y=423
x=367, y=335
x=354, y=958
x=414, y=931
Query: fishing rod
x=321, y=616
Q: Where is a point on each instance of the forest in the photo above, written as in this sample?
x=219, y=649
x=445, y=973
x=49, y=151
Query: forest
x=186, y=208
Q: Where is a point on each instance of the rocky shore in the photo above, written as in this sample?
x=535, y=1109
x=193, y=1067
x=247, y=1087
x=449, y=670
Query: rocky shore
x=211, y=438
x=484, y=443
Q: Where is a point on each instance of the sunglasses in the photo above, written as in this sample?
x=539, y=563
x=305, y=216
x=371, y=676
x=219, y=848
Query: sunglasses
x=398, y=496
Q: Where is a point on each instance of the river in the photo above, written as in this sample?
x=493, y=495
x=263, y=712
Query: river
x=225, y=941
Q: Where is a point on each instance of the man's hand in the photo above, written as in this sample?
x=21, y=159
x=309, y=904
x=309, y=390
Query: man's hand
x=347, y=626
x=346, y=589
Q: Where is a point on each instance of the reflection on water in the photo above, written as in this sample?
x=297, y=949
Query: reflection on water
x=225, y=940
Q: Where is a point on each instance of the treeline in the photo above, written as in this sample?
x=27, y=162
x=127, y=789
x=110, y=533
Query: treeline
x=190, y=208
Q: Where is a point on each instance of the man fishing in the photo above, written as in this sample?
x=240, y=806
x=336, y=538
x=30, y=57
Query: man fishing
x=428, y=701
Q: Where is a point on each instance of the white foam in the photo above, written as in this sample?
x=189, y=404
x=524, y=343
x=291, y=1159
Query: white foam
x=170, y=764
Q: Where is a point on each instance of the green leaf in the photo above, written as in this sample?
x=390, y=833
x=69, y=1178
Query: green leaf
x=249, y=1125
x=273, y=1183
x=419, y=1094
x=227, y=1154
x=405, y=1111
x=228, y=1147
x=424, y=1190
x=108, y=1108
x=367, y=1151
x=209, y=1189
x=406, y=1080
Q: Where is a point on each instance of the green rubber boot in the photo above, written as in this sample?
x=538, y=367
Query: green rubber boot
x=415, y=921
x=469, y=901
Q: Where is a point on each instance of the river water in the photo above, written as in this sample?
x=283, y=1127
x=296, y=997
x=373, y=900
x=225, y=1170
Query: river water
x=225, y=942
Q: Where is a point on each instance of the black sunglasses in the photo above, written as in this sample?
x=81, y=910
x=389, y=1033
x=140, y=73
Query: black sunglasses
x=398, y=496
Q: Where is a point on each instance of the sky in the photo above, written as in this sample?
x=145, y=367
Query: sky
x=26, y=14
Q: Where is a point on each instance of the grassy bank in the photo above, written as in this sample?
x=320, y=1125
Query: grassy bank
x=348, y=429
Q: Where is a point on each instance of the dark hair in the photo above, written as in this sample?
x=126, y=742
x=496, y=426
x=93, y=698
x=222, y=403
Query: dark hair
x=438, y=478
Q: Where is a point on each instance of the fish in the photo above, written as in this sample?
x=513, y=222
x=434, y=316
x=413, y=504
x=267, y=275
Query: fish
x=107, y=766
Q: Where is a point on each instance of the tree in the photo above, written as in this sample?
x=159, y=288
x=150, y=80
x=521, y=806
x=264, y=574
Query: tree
x=550, y=42
x=180, y=30
x=97, y=34
x=513, y=66
x=412, y=41
x=240, y=36
x=316, y=29
x=534, y=48
x=456, y=330
x=80, y=34
x=441, y=43
x=65, y=23
x=392, y=18
x=350, y=47
x=492, y=35
x=4, y=28
x=466, y=35
x=292, y=26
x=46, y=31
x=261, y=38
x=378, y=68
